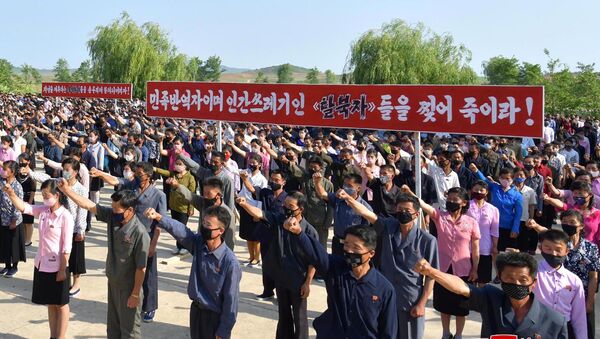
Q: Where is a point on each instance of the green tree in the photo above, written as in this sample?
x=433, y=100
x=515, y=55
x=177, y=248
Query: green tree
x=7, y=80
x=194, y=69
x=312, y=77
x=83, y=73
x=402, y=54
x=531, y=74
x=284, y=74
x=330, y=77
x=586, y=89
x=61, y=71
x=211, y=70
x=125, y=52
x=30, y=75
x=500, y=70
x=176, y=68
x=261, y=78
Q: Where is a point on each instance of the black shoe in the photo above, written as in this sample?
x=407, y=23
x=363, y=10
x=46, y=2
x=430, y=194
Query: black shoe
x=265, y=296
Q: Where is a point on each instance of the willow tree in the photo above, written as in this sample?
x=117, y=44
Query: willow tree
x=125, y=52
x=401, y=54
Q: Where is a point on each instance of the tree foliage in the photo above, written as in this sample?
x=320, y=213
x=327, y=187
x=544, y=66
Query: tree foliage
x=312, y=77
x=501, y=70
x=83, y=73
x=261, y=78
x=30, y=75
x=284, y=74
x=330, y=77
x=7, y=79
x=402, y=54
x=61, y=71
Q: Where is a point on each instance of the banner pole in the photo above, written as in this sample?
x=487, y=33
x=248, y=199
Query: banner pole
x=219, y=136
x=418, y=164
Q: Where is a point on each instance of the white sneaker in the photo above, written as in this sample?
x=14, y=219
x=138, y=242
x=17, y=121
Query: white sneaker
x=183, y=251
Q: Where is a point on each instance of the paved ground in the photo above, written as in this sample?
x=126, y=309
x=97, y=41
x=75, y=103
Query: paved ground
x=19, y=318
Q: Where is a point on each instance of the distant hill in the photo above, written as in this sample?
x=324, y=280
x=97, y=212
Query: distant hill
x=230, y=74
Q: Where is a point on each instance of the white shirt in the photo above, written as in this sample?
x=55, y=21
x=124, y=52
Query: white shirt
x=258, y=181
x=529, y=198
x=232, y=166
x=548, y=135
x=443, y=182
x=17, y=145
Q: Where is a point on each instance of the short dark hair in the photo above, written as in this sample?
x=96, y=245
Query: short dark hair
x=12, y=166
x=299, y=197
x=220, y=155
x=316, y=160
x=214, y=182
x=255, y=157
x=507, y=170
x=518, y=259
x=365, y=233
x=554, y=235
x=389, y=167
x=405, y=197
x=463, y=195
x=357, y=179
x=280, y=172
x=75, y=165
x=572, y=213
x=52, y=186
x=220, y=213
x=146, y=167
x=482, y=184
x=126, y=198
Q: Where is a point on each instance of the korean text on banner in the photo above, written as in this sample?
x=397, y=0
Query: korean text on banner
x=87, y=90
x=483, y=110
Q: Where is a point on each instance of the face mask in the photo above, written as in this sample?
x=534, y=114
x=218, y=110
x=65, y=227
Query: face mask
x=579, y=201
x=514, y=291
x=553, y=260
x=213, y=168
x=16, y=133
x=206, y=233
x=452, y=206
x=253, y=168
x=595, y=174
x=255, y=149
x=179, y=169
x=118, y=218
x=66, y=175
x=384, y=179
x=444, y=146
x=505, y=182
x=353, y=259
x=178, y=147
x=127, y=174
x=478, y=196
x=288, y=212
x=404, y=217
x=128, y=157
x=349, y=190
x=289, y=157
x=519, y=180
x=395, y=151
x=49, y=202
x=428, y=153
x=569, y=229
x=456, y=163
x=274, y=186
x=360, y=148
x=227, y=156
x=528, y=167
x=209, y=202
x=544, y=162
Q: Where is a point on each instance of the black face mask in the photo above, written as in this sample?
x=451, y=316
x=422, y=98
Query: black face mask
x=274, y=186
x=118, y=218
x=569, y=229
x=452, y=206
x=353, y=259
x=253, y=167
x=214, y=168
x=289, y=157
x=518, y=292
x=360, y=148
x=404, y=217
x=206, y=233
x=544, y=162
x=209, y=202
x=553, y=260
x=456, y=163
x=288, y=212
x=528, y=167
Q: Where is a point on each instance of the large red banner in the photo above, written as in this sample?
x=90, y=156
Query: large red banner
x=87, y=90
x=483, y=110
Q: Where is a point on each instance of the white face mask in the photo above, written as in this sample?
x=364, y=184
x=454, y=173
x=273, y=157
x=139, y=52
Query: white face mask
x=595, y=174
x=127, y=174
x=128, y=157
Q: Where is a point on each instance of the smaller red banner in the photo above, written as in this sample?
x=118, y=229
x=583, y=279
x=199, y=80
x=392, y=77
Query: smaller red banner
x=87, y=90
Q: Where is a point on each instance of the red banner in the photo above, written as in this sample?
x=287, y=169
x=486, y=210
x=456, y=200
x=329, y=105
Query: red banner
x=483, y=110
x=86, y=90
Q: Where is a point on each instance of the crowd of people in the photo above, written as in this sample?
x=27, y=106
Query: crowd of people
x=487, y=206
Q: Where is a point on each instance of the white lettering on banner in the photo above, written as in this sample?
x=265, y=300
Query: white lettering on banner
x=243, y=102
x=340, y=106
x=496, y=111
x=429, y=108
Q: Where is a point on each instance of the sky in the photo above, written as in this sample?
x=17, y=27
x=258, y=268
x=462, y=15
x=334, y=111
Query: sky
x=308, y=33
